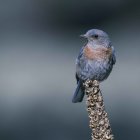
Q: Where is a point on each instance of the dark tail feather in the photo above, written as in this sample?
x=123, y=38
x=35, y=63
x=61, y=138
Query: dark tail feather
x=79, y=93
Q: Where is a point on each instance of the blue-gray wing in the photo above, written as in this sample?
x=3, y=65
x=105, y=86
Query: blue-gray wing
x=113, y=55
x=80, y=53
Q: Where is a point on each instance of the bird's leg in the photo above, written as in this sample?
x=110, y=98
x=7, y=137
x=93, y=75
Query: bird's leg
x=99, y=122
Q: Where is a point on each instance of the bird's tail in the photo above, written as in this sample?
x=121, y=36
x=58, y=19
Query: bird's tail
x=79, y=93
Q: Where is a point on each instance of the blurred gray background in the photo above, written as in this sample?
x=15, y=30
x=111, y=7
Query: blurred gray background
x=39, y=41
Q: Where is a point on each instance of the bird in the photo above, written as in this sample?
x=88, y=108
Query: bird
x=95, y=60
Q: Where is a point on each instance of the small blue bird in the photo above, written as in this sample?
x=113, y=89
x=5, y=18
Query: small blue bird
x=95, y=60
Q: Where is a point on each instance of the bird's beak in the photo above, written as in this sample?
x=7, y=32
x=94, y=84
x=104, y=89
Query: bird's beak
x=83, y=36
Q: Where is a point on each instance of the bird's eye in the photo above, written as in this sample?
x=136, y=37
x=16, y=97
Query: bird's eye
x=95, y=36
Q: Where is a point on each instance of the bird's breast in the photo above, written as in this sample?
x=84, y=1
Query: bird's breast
x=100, y=53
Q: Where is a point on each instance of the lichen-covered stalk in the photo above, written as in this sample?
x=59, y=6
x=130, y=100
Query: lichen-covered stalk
x=99, y=122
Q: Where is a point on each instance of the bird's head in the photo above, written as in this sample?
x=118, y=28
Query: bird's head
x=97, y=37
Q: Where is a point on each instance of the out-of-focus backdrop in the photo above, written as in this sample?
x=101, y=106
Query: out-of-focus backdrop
x=39, y=41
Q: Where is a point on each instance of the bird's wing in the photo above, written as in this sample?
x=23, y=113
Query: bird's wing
x=77, y=78
x=80, y=53
x=77, y=61
x=113, y=55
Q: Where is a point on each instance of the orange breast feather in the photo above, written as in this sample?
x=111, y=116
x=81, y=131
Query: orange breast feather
x=98, y=53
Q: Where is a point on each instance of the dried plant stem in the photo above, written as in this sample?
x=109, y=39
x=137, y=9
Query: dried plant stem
x=99, y=122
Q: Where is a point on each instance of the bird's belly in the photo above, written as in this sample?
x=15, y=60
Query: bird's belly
x=95, y=70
